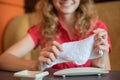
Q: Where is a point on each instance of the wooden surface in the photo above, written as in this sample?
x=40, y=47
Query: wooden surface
x=113, y=75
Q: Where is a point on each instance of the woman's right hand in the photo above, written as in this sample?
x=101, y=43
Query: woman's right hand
x=50, y=52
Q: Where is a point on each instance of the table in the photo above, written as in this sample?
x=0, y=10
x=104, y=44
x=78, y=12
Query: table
x=113, y=75
x=6, y=75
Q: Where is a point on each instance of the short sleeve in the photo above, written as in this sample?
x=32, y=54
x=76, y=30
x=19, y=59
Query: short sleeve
x=34, y=32
x=100, y=24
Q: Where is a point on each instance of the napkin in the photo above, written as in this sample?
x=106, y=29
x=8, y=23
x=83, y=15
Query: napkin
x=77, y=51
x=31, y=75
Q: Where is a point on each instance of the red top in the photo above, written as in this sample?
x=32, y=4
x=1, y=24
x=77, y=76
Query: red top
x=64, y=37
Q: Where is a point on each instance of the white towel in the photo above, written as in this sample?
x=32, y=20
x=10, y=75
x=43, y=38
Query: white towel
x=78, y=52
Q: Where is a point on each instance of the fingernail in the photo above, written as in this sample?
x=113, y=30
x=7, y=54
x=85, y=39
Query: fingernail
x=52, y=57
x=49, y=62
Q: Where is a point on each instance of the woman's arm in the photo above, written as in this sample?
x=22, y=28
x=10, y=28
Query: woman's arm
x=12, y=63
x=101, y=43
x=12, y=60
x=102, y=62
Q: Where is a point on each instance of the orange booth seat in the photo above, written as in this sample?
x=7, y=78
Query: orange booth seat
x=8, y=10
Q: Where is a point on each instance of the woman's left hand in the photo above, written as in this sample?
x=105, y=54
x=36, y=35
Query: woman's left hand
x=101, y=40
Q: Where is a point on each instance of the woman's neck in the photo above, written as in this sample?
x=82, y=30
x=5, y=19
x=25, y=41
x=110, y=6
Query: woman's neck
x=67, y=20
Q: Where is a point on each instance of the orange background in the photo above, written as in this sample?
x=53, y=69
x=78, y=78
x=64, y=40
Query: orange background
x=8, y=10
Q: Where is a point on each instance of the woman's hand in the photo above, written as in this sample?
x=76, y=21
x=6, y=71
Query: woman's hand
x=101, y=41
x=50, y=52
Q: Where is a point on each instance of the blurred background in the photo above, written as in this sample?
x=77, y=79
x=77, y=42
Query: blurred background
x=17, y=16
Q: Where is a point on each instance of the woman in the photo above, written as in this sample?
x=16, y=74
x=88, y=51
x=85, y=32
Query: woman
x=61, y=21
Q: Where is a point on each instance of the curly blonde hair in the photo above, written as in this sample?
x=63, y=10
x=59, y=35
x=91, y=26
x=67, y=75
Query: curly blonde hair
x=86, y=14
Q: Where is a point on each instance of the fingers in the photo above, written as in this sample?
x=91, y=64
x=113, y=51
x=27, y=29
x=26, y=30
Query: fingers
x=101, y=42
x=46, y=57
x=56, y=52
x=44, y=60
x=58, y=45
x=100, y=33
x=50, y=52
x=54, y=43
